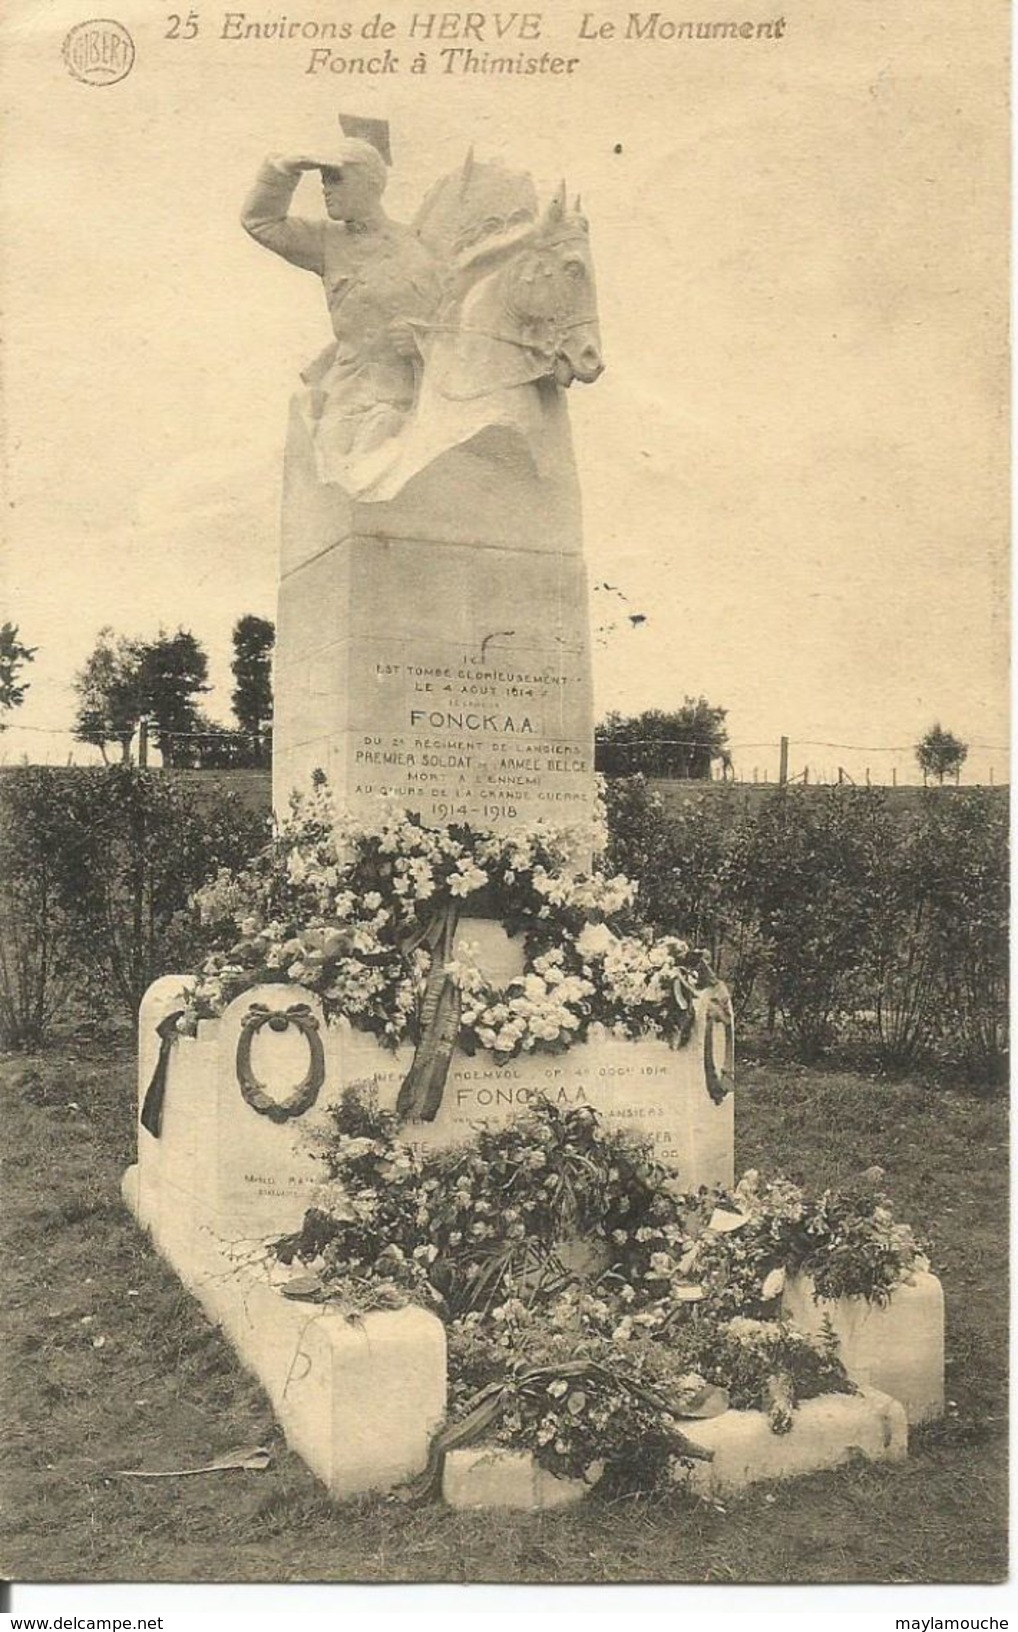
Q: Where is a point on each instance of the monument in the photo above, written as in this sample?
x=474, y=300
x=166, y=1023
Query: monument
x=433, y=659
x=433, y=647
x=432, y=634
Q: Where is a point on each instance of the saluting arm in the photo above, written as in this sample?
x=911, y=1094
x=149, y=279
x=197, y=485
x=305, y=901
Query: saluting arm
x=265, y=216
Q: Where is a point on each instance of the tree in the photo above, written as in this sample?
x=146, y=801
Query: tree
x=126, y=678
x=174, y=673
x=13, y=657
x=940, y=753
x=110, y=696
x=681, y=743
x=253, y=641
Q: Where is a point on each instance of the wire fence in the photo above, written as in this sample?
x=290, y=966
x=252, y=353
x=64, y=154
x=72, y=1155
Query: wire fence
x=805, y=761
x=817, y=762
x=150, y=745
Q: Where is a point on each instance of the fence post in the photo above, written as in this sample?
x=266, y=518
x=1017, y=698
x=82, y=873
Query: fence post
x=783, y=766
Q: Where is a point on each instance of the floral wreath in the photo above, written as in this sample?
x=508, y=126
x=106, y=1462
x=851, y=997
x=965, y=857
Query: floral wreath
x=369, y=918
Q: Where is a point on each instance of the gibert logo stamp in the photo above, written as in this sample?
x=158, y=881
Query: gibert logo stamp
x=99, y=51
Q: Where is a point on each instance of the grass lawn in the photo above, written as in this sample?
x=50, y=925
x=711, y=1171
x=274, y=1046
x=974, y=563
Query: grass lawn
x=109, y=1364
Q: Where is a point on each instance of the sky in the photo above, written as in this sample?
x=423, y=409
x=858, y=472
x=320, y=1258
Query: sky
x=794, y=466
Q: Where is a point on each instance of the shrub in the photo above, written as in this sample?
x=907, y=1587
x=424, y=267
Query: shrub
x=904, y=1006
x=691, y=869
x=961, y=848
x=41, y=955
x=157, y=845
x=938, y=972
x=98, y=868
x=812, y=871
x=848, y=915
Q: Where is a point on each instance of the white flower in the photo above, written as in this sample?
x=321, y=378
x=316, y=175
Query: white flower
x=773, y=1284
x=352, y=1148
x=595, y=941
x=466, y=879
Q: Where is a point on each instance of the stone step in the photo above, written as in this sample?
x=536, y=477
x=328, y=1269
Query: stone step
x=825, y=1433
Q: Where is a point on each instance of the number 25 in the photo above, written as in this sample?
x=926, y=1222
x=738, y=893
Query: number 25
x=186, y=30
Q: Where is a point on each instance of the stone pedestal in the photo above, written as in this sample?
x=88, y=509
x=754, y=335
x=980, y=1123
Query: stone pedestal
x=217, y=1160
x=744, y=1450
x=490, y=1476
x=358, y=1400
x=248, y=1177
x=436, y=654
x=644, y=1087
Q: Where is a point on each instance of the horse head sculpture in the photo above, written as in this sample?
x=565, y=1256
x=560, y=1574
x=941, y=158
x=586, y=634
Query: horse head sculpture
x=549, y=295
x=521, y=302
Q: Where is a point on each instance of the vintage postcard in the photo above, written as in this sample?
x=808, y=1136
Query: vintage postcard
x=556, y=461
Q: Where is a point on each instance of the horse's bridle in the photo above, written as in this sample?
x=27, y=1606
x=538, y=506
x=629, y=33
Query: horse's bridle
x=549, y=347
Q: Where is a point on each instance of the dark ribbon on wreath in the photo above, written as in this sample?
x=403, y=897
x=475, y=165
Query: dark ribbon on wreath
x=424, y=1084
x=155, y=1093
x=719, y=1012
x=308, y=1089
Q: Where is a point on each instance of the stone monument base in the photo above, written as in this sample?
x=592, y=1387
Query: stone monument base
x=897, y=1347
x=483, y=1476
x=825, y=1433
x=358, y=1400
x=249, y=1176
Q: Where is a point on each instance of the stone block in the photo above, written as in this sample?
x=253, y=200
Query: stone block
x=453, y=680
x=897, y=1347
x=643, y=1086
x=359, y=1400
x=497, y=490
x=219, y=1161
x=481, y=1476
x=825, y=1433
x=241, y=1175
